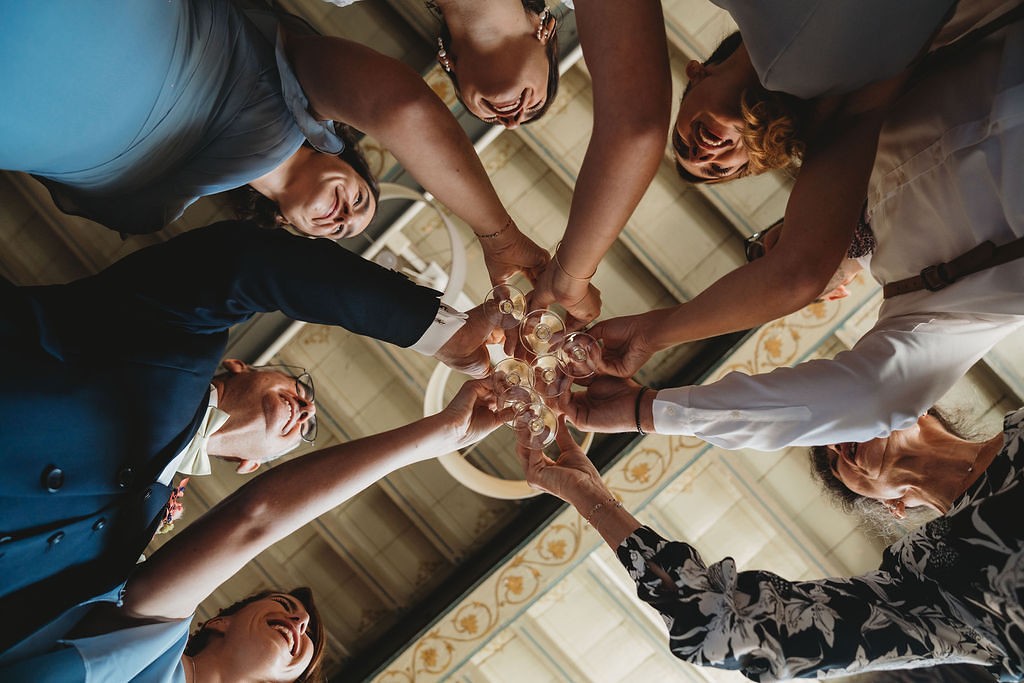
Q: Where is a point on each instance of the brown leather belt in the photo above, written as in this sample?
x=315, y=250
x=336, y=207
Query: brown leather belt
x=933, y=278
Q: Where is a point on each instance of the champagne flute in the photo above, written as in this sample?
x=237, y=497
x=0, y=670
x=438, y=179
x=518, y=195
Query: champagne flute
x=541, y=330
x=535, y=425
x=549, y=376
x=509, y=306
x=511, y=372
x=579, y=354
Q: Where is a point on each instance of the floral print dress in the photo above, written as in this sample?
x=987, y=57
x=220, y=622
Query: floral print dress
x=949, y=592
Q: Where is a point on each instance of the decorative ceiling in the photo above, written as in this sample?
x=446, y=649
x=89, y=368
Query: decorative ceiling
x=420, y=578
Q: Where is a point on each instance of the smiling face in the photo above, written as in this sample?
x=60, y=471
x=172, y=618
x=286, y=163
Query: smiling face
x=506, y=83
x=269, y=638
x=863, y=469
x=266, y=414
x=892, y=470
x=707, y=138
x=325, y=197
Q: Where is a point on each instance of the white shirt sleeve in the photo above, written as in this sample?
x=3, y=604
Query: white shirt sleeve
x=446, y=323
x=884, y=383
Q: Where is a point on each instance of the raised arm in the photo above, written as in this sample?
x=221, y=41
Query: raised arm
x=277, y=503
x=885, y=382
x=755, y=621
x=349, y=82
x=625, y=48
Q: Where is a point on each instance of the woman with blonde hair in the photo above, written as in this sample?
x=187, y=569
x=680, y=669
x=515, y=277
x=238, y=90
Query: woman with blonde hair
x=945, y=214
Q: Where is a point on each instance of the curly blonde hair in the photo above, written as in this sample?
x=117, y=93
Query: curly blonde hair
x=773, y=131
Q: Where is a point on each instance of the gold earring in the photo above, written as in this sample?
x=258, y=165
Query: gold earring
x=442, y=56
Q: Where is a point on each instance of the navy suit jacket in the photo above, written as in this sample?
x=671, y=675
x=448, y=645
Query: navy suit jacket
x=108, y=377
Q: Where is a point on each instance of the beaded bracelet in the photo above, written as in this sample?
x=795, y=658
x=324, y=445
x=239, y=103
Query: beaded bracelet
x=639, y=397
x=491, y=235
x=593, y=511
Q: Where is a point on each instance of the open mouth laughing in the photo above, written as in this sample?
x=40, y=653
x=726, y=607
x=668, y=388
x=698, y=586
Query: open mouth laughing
x=288, y=633
x=703, y=136
x=293, y=415
x=507, y=108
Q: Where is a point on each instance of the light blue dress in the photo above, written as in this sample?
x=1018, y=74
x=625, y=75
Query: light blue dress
x=129, y=110
x=141, y=654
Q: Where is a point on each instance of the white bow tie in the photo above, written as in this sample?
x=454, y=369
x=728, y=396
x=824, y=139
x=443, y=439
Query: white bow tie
x=196, y=460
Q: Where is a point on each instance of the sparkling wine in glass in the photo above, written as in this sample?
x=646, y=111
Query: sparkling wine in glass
x=535, y=425
x=579, y=354
x=549, y=377
x=541, y=331
x=511, y=372
x=507, y=306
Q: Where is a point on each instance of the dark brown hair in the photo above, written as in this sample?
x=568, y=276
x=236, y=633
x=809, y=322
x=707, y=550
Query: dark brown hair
x=250, y=205
x=315, y=630
x=551, y=50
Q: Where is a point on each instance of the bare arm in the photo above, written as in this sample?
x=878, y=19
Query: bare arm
x=821, y=216
x=349, y=82
x=277, y=503
x=574, y=479
x=625, y=49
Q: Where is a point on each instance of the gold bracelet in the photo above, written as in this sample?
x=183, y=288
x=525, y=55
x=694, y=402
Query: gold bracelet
x=567, y=273
x=492, y=235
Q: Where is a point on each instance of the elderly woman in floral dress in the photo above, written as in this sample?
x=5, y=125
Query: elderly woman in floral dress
x=950, y=592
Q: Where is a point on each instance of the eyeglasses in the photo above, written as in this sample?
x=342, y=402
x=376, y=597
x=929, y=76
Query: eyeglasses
x=303, y=389
x=753, y=246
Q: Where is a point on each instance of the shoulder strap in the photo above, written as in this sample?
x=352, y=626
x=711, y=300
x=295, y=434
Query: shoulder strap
x=933, y=278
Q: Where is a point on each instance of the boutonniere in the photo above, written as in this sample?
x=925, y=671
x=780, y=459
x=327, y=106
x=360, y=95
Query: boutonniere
x=175, y=509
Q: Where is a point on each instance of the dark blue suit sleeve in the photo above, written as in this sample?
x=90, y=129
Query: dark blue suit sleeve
x=209, y=279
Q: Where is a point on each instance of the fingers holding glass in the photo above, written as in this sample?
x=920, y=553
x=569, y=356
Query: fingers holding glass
x=541, y=330
x=549, y=376
x=507, y=306
x=580, y=355
x=535, y=425
x=516, y=398
x=510, y=372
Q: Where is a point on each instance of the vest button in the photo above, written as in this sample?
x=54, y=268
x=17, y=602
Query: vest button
x=56, y=538
x=125, y=475
x=99, y=524
x=53, y=478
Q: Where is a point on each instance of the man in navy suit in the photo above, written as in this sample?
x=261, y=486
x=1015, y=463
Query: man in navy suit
x=110, y=378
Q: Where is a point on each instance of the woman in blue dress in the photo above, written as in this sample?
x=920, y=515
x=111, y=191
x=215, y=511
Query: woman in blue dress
x=140, y=631
x=130, y=111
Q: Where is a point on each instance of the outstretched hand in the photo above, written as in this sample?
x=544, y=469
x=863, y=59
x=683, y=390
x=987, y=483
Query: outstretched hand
x=472, y=414
x=466, y=350
x=626, y=344
x=572, y=477
x=607, y=405
x=581, y=300
x=512, y=252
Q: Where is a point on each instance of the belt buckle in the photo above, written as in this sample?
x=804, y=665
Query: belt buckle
x=936, y=277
